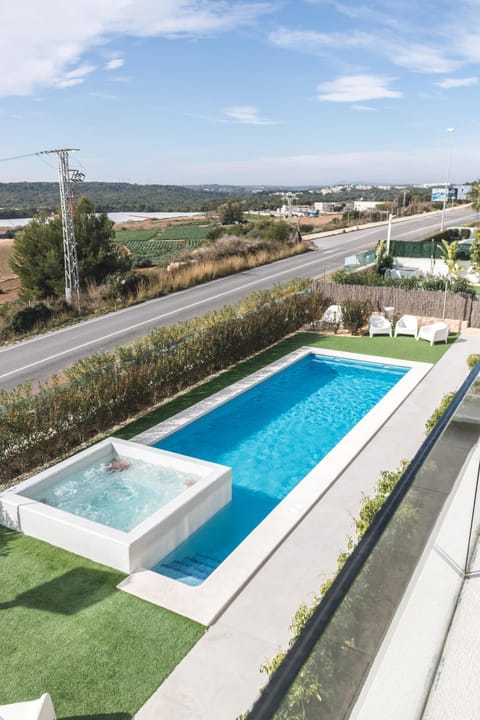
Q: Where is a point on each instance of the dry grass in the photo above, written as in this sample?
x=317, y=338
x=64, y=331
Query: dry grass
x=6, y=251
x=9, y=283
x=185, y=276
x=160, y=282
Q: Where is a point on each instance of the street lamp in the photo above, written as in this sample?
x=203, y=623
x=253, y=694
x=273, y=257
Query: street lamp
x=445, y=194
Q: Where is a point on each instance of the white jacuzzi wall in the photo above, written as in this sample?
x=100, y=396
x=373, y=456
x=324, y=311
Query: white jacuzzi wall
x=147, y=543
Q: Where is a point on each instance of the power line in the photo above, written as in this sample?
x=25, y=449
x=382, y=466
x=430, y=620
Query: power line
x=40, y=152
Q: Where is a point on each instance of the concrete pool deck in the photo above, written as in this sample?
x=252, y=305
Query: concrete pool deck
x=220, y=678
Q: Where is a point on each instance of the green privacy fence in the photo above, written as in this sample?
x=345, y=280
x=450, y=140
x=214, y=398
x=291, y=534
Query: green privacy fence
x=425, y=249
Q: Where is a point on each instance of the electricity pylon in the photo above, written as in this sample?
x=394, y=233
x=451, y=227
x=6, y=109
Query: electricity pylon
x=66, y=178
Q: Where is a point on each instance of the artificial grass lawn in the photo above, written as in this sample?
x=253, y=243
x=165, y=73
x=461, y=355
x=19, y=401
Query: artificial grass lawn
x=401, y=348
x=65, y=629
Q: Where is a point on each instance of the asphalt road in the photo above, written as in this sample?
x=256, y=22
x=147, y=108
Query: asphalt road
x=38, y=358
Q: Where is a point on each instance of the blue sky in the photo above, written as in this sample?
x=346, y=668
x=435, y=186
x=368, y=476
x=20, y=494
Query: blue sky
x=292, y=92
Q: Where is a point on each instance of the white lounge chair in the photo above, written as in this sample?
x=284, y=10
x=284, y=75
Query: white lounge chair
x=433, y=333
x=407, y=325
x=39, y=709
x=333, y=314
x=379, y=325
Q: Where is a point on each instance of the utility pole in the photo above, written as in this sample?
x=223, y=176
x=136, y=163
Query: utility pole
x=66, y=178
x=389, y=232
x=447, y=179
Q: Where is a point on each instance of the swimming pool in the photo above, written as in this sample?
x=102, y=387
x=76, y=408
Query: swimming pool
x=271, y=436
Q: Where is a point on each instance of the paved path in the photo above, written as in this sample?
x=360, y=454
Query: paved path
x=220, y=678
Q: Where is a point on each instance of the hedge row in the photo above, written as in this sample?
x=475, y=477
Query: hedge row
x=107, y=389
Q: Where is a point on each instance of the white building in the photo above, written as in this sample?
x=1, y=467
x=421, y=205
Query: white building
x=325, y=207
x=362, y=205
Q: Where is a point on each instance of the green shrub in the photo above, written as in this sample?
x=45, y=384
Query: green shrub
x=437, y=414
x=472, y=360
x=126, y=284
x=358, y=277
x=141, y=262
x=374, y=279
x=30, y=316
x=214, y=233
x=355, y=314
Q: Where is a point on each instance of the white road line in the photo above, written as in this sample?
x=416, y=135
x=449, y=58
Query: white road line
x=151, y=320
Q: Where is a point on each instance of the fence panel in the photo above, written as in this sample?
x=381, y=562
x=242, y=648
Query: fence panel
x=424, y=303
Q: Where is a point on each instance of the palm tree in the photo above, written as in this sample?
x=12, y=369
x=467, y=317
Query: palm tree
x=474, y=195
x=449, y=255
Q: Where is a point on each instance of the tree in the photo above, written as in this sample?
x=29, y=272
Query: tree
x=38, y=252
x=97, y=255
x=475, y=254
x=474, y=195
x=230, y=212
x=280, y=231
x=38, y=258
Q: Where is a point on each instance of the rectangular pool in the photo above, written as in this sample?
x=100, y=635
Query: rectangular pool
x=268, y=512
x=271, y=436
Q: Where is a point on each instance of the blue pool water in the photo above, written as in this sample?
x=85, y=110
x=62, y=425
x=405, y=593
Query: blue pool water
x=118, y=499
x=271, y=436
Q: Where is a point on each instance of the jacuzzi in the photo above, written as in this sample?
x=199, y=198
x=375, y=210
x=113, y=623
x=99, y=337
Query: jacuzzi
x=203, y=489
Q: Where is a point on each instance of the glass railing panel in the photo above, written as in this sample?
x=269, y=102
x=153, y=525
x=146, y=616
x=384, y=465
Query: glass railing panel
x=469, y=412
x=345, y=653
x=391, y=623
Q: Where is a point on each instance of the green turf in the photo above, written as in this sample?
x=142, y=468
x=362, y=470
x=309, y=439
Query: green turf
x=65, y=629
x=401, y=348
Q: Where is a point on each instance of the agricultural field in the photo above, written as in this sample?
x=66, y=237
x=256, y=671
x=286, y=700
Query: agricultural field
x=161, y=246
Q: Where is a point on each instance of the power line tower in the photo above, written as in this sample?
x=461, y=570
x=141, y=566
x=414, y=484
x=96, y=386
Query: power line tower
x=66, y=179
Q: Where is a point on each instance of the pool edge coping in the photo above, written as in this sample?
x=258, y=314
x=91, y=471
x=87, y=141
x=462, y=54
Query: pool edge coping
x=206, y=602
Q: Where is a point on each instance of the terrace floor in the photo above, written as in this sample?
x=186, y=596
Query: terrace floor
x=220, y=678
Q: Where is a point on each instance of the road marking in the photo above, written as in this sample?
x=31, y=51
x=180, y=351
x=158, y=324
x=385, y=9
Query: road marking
x=151, y=320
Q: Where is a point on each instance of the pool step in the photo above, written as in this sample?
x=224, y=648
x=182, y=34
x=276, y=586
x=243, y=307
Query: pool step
x=198, y=567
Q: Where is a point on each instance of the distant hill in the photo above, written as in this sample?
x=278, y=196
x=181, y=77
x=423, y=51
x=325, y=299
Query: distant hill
x=24, y=199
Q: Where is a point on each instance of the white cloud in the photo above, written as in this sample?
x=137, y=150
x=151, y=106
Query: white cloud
x=421, y=58
x=457, y=82
x=363, y=107
x=319, y=41
x=247, y=115
x=74, y=77
x=355, y=88
x=114, y=64
x=41, y=52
